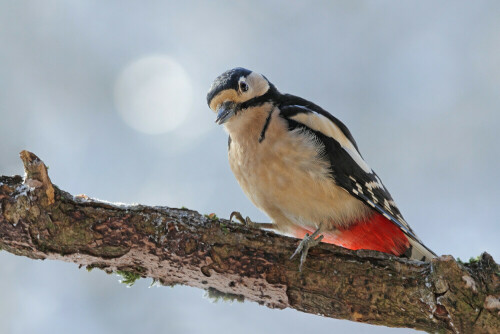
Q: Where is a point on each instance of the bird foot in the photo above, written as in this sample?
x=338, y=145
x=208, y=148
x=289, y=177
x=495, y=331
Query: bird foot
x=248, y=222
x=306, y=243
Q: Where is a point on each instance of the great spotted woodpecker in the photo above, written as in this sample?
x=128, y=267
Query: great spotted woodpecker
x=302, y=167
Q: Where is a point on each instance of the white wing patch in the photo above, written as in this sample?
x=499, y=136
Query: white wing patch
x=322, y=124
x=374, y=184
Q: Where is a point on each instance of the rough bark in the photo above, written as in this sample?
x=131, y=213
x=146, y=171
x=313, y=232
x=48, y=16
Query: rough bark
x=181, y=246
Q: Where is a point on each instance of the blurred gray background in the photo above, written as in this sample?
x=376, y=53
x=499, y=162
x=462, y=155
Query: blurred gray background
x=111, y=95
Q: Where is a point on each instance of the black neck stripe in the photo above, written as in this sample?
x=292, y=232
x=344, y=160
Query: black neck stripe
x=266, y=125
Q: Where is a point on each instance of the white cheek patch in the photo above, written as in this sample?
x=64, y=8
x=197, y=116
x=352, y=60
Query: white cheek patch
x=322, y=124
x=257, y=85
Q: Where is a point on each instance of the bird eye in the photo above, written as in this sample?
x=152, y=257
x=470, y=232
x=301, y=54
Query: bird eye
x=243, y=86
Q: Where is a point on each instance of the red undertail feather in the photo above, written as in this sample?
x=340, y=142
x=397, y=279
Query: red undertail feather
x=378, y=234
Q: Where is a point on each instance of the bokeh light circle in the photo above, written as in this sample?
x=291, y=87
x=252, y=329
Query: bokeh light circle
x=153, y=94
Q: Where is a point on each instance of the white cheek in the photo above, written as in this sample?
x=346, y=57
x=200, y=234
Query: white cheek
x=251, y=93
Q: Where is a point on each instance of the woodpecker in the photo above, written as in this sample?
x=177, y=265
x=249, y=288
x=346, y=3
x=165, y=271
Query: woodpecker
x=302, y=167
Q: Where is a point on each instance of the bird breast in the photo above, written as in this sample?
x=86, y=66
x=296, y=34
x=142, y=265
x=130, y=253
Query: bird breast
x=285, y=174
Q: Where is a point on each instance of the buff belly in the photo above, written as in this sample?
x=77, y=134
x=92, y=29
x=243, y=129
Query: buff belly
x=285, y=176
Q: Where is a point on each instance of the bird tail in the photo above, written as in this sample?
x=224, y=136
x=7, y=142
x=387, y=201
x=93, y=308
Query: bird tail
x=418, y=251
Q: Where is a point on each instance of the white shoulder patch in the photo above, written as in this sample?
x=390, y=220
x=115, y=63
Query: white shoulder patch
x=322, y=124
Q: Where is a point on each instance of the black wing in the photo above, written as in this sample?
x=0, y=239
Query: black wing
x=360, y=181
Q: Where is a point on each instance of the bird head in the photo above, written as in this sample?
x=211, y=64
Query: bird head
x=236, y=90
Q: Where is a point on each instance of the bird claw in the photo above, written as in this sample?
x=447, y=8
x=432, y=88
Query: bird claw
x=304, y=246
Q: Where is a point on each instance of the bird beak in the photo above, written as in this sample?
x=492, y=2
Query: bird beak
x=225, y=112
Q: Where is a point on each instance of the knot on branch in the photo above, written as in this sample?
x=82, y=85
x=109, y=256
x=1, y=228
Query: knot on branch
x=36, y=175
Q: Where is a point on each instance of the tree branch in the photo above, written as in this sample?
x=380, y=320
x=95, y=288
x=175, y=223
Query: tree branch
x=180, y=246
